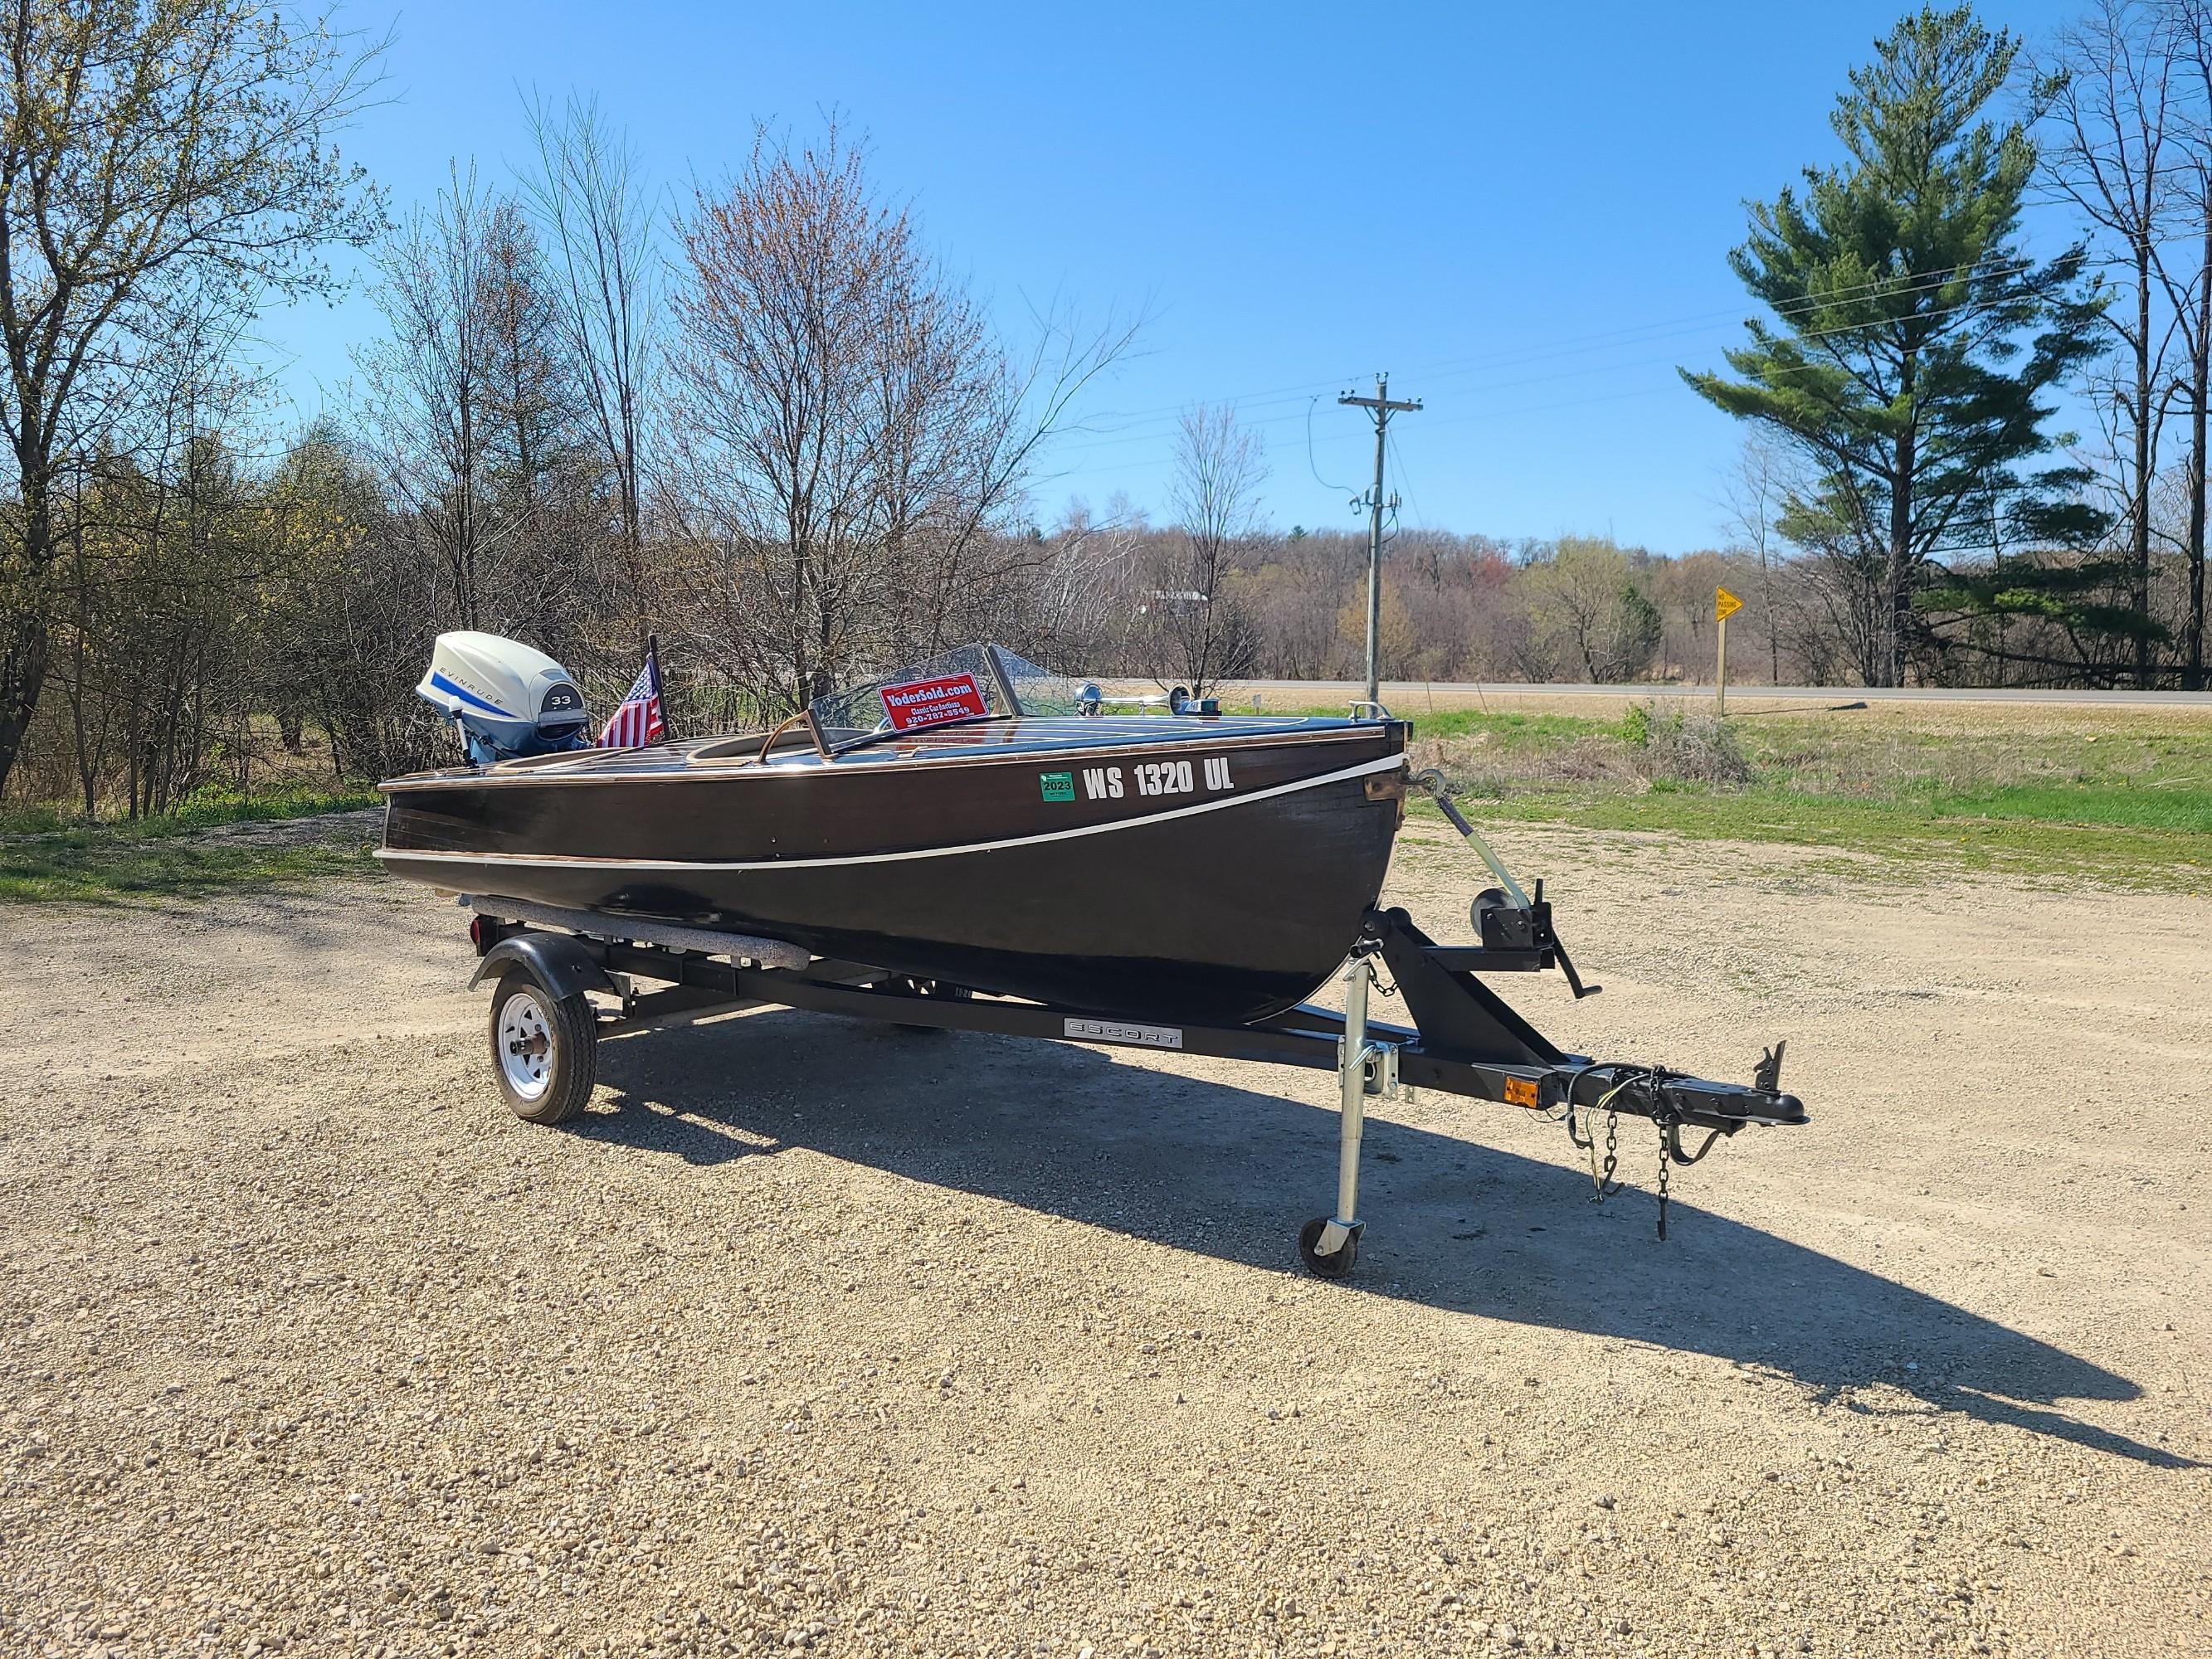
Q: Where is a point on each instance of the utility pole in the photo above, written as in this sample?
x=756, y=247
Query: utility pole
x=1382, y=409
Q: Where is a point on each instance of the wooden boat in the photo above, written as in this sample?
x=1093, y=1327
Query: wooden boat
x=982, y=834
x=974, y=826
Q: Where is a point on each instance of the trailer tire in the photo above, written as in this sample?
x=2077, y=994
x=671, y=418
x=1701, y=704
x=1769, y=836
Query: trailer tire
x=544, y=1048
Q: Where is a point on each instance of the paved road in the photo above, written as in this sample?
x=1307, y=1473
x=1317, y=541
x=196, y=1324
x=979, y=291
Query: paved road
x=1406, y=690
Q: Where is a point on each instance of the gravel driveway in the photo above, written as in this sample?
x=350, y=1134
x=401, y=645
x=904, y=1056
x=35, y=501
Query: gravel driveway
x=840, y=1339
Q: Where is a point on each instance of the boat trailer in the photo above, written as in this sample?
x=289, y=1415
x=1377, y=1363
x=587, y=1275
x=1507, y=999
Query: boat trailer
x=1465, y=1040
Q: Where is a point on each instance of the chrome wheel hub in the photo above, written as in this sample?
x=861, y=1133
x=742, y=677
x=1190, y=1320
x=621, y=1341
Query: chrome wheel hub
x=525, y=1045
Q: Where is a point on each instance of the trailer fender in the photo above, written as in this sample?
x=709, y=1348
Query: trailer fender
x=562, y=964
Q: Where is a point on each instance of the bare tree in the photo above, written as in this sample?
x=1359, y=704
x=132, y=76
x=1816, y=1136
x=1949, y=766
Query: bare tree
x=529, y=393
x=1755, y=495
x=1073, y=614
x=1203, y=629
x=849, y=439
x=151, y=158
x=587, y=193
x=433, y=387
x=471, y=414
x=2188, y=289
x=788, y=273
x=2110, y=101
x=1013, y=416
x=1295, y=604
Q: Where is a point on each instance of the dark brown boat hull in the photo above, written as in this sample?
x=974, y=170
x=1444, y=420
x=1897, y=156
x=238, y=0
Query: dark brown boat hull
x=1223, y=909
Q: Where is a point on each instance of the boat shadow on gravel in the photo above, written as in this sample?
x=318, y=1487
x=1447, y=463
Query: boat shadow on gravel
x=1229, y=1172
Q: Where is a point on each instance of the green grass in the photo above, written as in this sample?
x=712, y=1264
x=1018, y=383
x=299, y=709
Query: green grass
x=45, y=857
x=2101, y=798
x=207, y=809
x=2185, y=812
x=1522, y=732
x=1951, y=830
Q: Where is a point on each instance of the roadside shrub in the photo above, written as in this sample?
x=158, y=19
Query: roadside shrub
x=1474, y=765
x=34, y=818
x=211, y=806
x=1692, y=748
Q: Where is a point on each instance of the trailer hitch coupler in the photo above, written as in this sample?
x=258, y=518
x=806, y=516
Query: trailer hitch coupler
x=1766, y=1077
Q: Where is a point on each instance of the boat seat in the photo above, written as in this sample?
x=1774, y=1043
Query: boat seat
x=746, y=746
x=559, y=757
x=722, y=748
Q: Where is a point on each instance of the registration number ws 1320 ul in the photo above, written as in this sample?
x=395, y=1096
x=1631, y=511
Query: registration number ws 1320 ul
x=1170, y=777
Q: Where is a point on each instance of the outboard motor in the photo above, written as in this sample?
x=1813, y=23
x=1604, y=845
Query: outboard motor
x=507, y=699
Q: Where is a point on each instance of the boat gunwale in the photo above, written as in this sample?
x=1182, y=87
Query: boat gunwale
x=812, y=765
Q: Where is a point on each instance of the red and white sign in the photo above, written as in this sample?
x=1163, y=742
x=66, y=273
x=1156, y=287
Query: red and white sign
x=933, y=702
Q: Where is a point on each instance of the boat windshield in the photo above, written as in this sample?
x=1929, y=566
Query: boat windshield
x=969, y=682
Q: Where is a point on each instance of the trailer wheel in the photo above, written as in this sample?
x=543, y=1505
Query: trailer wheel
x=544, y=1048
x=1326, y=1266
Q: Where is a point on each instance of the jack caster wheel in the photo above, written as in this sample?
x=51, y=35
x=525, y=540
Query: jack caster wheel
x=544, y=1048
x=1327, y=1267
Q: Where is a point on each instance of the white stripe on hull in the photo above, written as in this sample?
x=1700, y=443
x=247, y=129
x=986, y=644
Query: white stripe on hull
x=1381, y=763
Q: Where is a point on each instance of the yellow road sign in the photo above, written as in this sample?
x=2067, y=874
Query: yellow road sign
x=1725, y=604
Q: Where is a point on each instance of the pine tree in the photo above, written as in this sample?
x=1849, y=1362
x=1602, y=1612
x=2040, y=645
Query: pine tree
x=1914, y=346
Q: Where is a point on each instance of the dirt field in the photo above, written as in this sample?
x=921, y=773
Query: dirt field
x=854, y=1341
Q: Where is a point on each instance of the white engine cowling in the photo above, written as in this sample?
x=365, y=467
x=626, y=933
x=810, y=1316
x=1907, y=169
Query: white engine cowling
x=507, y=698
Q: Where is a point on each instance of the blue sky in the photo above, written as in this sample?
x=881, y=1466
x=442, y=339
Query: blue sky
x=1521, y=212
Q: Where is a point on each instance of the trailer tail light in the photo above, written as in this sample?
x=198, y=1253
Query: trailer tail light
x=481, y=934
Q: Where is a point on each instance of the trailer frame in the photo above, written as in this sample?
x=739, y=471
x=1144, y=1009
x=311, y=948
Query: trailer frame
x=1465, y=1041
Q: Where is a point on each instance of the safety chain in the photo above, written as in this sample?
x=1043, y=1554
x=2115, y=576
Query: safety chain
x=1603, y=1185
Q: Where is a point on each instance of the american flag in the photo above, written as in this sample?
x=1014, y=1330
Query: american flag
x=638, y=721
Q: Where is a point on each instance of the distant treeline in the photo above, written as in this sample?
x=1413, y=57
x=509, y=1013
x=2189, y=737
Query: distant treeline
x=767, y=424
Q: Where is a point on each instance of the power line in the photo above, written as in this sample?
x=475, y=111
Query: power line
x=1405, y=477
x=1704, y=321
x=1529, y=381
x=1510, y=357
x=1638, y=334
x=1310, y=467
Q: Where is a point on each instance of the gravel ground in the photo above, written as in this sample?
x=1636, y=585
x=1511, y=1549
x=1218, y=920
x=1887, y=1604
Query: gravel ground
x=833, y=1338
